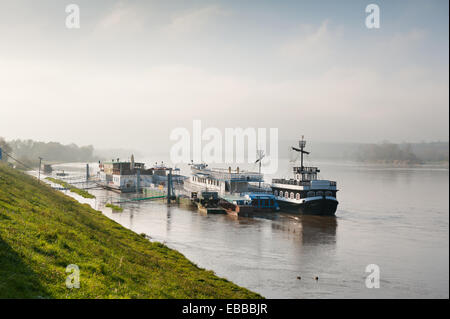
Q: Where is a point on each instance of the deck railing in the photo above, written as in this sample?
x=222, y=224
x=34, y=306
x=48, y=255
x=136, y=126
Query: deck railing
x=243, y=176
x=306, y=169
x=296, y=182
x=291, y=182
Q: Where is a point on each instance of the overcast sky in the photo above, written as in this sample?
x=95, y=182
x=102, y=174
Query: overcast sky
x=135, y=70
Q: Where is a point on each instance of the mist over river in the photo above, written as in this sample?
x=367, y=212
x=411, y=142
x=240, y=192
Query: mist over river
x=396, y=218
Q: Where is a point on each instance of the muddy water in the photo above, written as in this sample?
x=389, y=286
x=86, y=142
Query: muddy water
x=394, y=218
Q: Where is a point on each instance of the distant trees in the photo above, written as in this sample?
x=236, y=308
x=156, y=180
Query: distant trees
x=387, y=153
x=384, y=152
x=431, y=152
x=28, y=151
x=6, y=148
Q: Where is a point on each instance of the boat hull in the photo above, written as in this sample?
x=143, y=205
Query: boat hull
x=322, y=206
x=213, y=209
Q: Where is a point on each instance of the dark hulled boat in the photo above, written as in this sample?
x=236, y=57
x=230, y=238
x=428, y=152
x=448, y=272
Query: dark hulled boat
x=305, y=193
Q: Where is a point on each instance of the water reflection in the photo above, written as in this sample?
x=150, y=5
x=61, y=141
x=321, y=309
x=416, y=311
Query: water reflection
x=267, y=252
x=168, y=219
x=310, y=230
x=305, y=229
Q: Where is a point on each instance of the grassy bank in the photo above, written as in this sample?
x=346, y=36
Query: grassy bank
x=73, y=189
x=42, y=231
x=114, y=207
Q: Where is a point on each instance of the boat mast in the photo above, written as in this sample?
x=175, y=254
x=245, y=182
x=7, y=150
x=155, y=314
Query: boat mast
x=301, y=145
x=260, y=154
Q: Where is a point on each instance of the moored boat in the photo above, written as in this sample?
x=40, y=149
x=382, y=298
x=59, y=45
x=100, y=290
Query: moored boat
x=161, y=174
x=305, y=193
x=222, y=181
x=249, y=203
x=236, y=205
x=124, y=176
x=207, y=202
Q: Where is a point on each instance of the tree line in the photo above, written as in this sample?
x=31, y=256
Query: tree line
x=29, y=151
x=383, y=152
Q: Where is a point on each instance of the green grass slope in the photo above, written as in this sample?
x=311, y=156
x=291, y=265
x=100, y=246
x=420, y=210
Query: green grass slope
x=73, y=189
x=42, y=231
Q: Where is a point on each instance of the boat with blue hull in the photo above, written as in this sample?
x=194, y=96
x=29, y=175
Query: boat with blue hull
x=234, y=187
x=305, y=193
x=247, y=204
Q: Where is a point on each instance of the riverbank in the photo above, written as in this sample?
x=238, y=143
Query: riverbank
x=42, y=231
x=73, y=189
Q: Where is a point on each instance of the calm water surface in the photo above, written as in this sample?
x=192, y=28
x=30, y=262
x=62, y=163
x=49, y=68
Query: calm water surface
x=395, y=218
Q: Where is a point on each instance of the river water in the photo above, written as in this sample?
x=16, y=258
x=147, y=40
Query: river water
x=396, y=218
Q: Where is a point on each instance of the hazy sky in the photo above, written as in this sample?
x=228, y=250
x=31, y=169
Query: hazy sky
x=137, y=69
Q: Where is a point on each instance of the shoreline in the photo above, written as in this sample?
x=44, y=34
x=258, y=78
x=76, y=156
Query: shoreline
x=115, y=262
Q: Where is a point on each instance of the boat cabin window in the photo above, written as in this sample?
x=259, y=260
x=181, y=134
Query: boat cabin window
x=319, y=193
x=275, y=192
x=328, y=193
x=286, y=194
x=292, y=195
x=310, y=194
x=281, y=193
x=297, y=196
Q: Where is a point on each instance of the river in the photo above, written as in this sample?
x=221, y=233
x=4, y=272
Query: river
x=396, y=218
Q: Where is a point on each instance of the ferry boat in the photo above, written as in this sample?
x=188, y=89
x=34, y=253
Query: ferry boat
x=124, y=176
x=130, y=176
x=234, y=187
x=305, y=193
x=222, y=181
